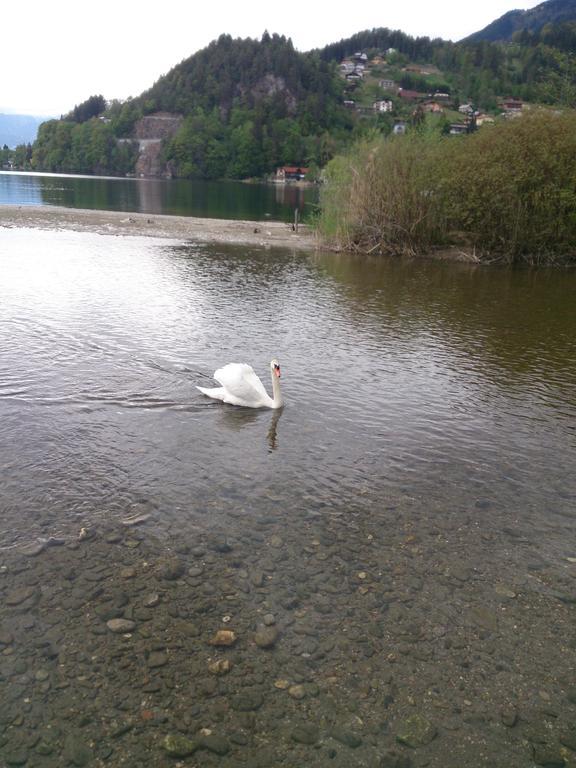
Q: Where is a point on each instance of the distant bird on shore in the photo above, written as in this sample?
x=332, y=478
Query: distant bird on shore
x=241, y=386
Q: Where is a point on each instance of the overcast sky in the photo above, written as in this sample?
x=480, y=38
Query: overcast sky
x=55, y=54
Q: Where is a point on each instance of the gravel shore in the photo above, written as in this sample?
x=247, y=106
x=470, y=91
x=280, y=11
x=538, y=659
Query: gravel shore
x=268, y=233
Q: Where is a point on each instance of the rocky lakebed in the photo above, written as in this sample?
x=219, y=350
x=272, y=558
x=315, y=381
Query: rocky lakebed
x=410, y=641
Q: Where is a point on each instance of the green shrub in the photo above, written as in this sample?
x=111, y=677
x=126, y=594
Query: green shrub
x=507, y=192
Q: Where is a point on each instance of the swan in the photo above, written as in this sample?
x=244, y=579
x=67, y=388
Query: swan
x=241, y=386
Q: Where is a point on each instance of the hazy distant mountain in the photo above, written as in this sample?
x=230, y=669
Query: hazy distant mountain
x=18, y=129
x=549, y=12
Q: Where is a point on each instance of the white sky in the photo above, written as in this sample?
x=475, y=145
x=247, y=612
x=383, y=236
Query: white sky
x=55, y=54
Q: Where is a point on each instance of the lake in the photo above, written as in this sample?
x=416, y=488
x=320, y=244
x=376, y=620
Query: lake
x=394, y=551
x=205, y=199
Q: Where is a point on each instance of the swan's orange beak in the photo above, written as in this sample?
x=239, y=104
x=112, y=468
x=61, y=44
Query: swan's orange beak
x=277, y=370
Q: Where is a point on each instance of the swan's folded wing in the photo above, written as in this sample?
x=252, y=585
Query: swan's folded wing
x=241, y=381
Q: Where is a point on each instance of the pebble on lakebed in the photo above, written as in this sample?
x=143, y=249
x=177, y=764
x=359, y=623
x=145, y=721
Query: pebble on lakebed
x=124, y=638
x=121, y=626
x=223, y=638
x=266, y=636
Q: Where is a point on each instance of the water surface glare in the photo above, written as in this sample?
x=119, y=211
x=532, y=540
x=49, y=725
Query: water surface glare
x=452, y=386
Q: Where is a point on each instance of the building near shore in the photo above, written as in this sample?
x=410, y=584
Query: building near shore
x=290, y=173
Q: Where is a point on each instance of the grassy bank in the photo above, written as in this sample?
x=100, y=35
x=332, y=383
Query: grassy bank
x=506, y=193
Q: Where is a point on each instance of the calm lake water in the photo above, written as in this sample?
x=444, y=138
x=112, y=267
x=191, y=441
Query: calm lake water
x=220, y=200
x=398, y=377
x=404, y=527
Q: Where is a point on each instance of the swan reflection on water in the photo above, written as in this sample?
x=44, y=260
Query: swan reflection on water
x=238, y=418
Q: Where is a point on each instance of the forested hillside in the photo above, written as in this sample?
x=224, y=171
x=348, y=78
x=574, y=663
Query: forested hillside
x=242, y=108
x=249, y=106
x=538, y=66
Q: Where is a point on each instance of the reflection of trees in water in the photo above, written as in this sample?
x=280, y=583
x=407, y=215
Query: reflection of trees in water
x=516, y=319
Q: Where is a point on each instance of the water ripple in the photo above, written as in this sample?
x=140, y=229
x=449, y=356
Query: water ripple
x=401, y=380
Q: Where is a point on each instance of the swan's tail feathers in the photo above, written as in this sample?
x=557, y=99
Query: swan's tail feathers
x=216, y=393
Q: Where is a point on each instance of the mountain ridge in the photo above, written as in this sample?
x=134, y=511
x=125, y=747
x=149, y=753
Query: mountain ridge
x=18, y=129
x=531, y=20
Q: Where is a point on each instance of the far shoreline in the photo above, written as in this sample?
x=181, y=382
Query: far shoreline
x=168, y=227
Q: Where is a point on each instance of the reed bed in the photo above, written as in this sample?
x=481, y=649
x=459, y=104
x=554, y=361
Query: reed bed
x=506, y=193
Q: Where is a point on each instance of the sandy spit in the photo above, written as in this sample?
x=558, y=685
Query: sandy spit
x=269, y=233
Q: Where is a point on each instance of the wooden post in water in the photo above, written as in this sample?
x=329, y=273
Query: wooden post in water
x=295, y=219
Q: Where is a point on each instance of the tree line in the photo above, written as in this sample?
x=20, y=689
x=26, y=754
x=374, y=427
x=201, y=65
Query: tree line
x=252, y=105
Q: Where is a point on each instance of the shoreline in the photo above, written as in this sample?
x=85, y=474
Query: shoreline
x=121, y=223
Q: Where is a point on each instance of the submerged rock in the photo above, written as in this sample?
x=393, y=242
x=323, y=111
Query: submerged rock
x=220, y=667
x=157, y=659
x=266, y=636
x=130, y=522
x=16, y=757
x=216, y=744
x=394, y=759
x=76, y=751
x=21, y=595
x=177, y=745
x=416, y=731
x=346, y=737
x=120, y=626
x=306, y=733
x=223, y=638
x=171, y=568
x=548, y=756
x=249, y=701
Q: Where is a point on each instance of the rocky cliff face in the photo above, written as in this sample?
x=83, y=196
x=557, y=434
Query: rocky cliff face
x=150, y=132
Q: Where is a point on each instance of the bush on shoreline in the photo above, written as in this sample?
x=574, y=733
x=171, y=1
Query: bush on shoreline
x=506, y=193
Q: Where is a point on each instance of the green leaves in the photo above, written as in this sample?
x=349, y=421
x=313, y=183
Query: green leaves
x=506, y=192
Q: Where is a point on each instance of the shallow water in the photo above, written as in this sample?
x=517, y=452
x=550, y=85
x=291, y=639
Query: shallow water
x=445, y=382
x=406, y=522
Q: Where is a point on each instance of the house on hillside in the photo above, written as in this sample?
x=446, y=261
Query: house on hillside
x=433, y=107
x=386, y=105
x=483, y=119
x=400, y=127
x=512, y=106
x=409, y=95
x=457, y=129
x=465, y=109
x=290, y=173
x=387, y=85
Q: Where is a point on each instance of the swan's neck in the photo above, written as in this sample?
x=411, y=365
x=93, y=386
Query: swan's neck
x=277, y=401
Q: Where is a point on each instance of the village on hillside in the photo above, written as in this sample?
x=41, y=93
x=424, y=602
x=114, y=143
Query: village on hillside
x=378, y=85
x=375, y=86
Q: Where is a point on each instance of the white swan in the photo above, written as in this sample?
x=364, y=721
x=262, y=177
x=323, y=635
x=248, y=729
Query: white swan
x=241, y=386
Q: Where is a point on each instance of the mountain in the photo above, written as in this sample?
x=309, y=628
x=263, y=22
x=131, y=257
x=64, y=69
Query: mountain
x=18, y=129
x=243, y=108
x=533, y=20
x=236, y=109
